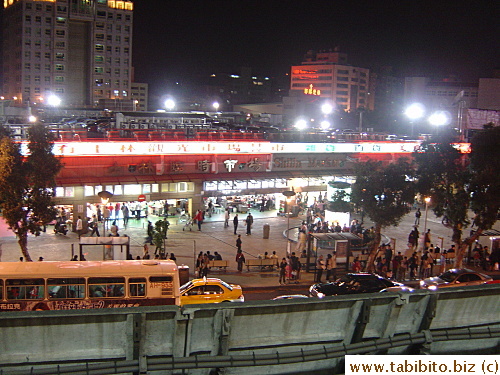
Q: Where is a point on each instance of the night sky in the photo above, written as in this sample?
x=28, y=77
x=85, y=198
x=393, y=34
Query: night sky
x=181, y=40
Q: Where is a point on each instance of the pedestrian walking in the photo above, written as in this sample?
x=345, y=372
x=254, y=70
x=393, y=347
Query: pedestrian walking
x=235, y=223
x=79, y=226
x=94, y=225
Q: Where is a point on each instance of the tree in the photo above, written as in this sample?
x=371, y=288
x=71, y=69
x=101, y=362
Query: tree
x=27, y=184
x=457, y=184
x=385, y=194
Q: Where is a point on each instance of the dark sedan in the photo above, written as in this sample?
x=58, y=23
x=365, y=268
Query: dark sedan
x=355, y=283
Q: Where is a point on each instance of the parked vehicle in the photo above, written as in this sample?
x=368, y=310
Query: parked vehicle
x=455, y=277
x=356, y=283
x=210, y=290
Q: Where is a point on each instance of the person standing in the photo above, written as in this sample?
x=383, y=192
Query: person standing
x=199, y=219
x=427, y=238
x=282, y=268
x=94, y=224
x=240, y=259
x=79, y=226
x=413, y=265
x=320, y=266
x=126, y=214
x=249, y=222
x=235, y=223
x=99, y=214
x=150, y=232
x=205, y=266
x=329, y=267
x=417, y=216
x=226, y=218
x=396, y=264
x=238, y=242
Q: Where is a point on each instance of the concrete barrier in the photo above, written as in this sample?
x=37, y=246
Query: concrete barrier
x=255, y=329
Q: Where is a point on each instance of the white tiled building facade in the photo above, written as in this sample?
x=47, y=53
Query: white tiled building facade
x=79, y=50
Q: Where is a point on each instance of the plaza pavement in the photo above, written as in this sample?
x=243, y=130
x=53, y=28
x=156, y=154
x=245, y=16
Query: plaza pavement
x=186, y=244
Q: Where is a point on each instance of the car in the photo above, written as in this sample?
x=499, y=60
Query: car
x=210, y=290
x=455, y=277
x=355, y=283
x=289, y=296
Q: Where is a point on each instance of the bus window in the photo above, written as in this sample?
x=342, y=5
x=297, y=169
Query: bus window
x=137, y=287
x=66, y=288
x=1, y=290
x=24, y=289
x=106, y=287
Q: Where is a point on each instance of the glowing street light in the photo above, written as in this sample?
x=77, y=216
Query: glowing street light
x=325, y=125
x=301, y=124
x=414, y=112
x=216, y=106
x=32, y=119
x=169, y=104
x=439, y=118
x=327, y=108
x=54, y=101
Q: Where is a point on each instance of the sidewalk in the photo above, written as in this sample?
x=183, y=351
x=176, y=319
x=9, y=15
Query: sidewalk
x=213, y=237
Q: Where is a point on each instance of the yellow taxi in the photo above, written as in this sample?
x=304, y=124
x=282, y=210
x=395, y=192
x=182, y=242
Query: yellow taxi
x=210, y=290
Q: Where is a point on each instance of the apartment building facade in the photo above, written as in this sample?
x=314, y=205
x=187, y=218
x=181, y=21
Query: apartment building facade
x=78, y=50
x=327, y=75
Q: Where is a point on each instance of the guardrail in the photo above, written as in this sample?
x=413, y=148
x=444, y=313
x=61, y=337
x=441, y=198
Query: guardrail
x=303, y=335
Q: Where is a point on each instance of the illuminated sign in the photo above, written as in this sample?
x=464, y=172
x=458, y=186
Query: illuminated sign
x=69, y=149
x=312, y=91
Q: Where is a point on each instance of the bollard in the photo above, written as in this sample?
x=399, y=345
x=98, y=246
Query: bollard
x=266, y=230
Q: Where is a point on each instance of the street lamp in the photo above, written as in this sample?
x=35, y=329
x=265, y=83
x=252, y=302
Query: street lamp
x=288, y=197
x=427, y=201
x=216, y=106
x=439, y=118
x=326, y=108
x=414, y=112
x=301, y=124
x=325, y=125
x=54, y=101
x=169, y=104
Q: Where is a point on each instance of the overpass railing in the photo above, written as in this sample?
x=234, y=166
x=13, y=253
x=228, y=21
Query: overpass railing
x=306, y=335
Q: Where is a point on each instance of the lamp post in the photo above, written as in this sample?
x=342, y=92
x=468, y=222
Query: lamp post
x=439, y=119
x=427, y=201
x=169, y=104
x=288, y=196
x=414, y=112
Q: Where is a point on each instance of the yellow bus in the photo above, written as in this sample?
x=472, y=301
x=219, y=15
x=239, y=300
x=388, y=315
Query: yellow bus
x=28, y=286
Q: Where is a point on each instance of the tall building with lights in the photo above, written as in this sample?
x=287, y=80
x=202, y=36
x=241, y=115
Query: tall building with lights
x=327, y=75
x=79, y=50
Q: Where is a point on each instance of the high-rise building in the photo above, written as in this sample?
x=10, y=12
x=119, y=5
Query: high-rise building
x=327, y=75
x=78, y=50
